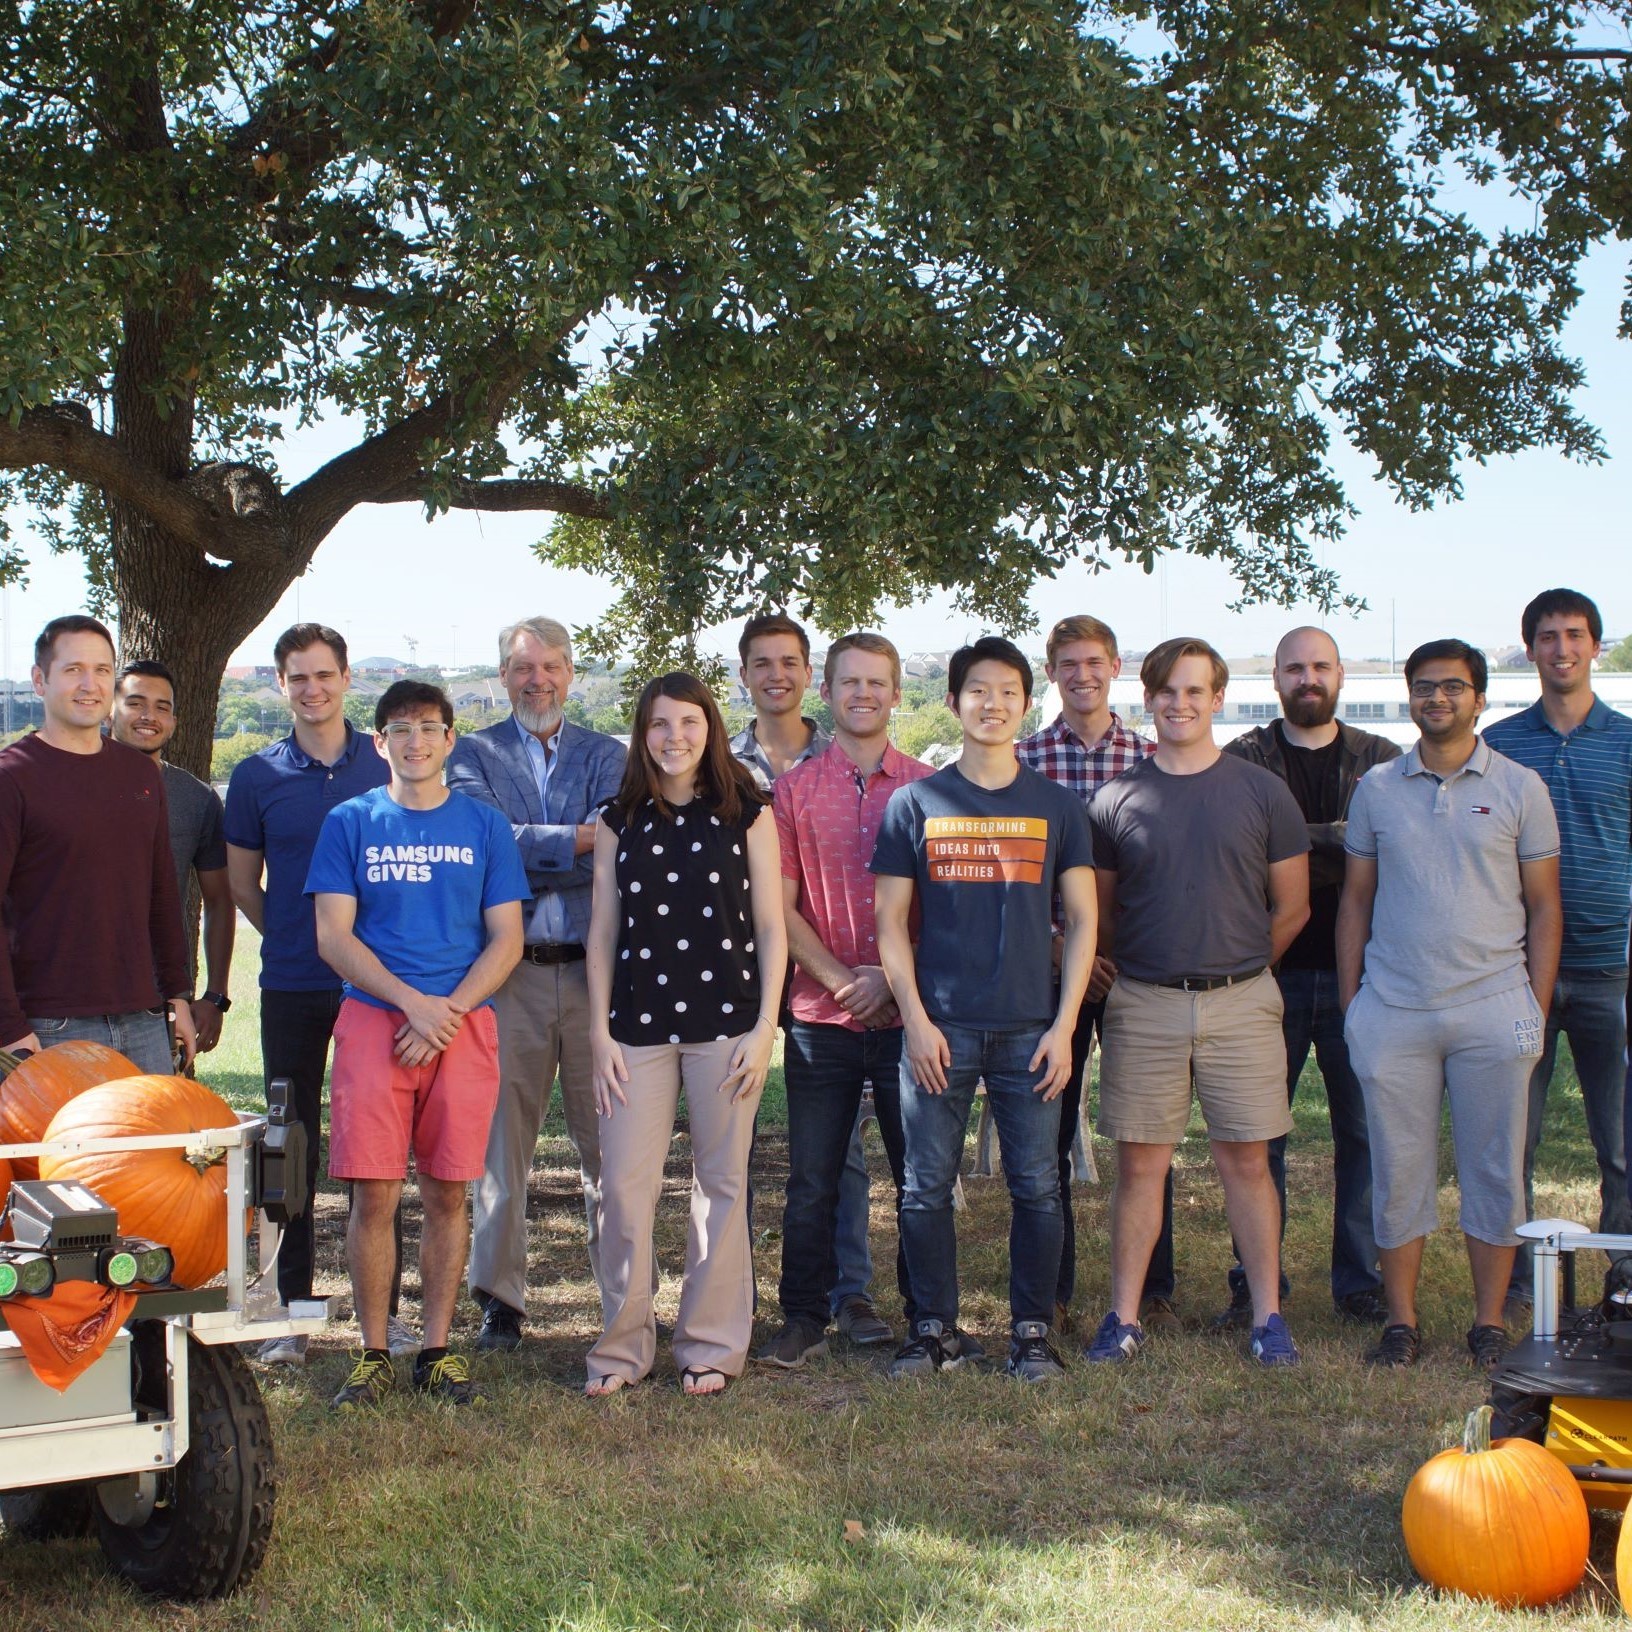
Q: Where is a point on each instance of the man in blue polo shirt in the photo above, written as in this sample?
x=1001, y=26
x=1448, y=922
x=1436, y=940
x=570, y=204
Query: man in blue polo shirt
x=1582, y=749
x=276, y=802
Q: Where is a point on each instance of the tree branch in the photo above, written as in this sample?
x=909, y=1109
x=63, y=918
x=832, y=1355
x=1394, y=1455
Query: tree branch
x=566, y=498
x=1468, y=51
x=61, y=437
x=390, y=465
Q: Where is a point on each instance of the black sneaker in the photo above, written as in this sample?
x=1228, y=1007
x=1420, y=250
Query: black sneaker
x=1368, y=1308
x=448, y=1378
x=1400, y=1345
x=799, y=1340
x=370, y=1383
x=861, y=1323
x=1236, y=1316
x=1031, y=1359
x=1487, y=1345
x=930, y=1349
x=501, y=1329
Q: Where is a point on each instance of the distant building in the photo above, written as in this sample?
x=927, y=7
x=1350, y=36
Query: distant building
x=1374, y=702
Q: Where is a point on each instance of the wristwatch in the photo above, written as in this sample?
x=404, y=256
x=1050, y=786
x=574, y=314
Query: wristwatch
x=219, y=999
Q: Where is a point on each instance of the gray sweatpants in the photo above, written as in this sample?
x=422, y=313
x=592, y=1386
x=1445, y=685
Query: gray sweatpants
x=1480, y=1055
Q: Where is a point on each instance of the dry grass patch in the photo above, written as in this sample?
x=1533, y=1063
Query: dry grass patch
x=1189, y=1490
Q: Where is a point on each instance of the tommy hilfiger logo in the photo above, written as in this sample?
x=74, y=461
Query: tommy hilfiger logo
x=1479, y=810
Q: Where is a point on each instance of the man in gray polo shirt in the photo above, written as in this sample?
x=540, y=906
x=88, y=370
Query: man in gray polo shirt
x=1447, y=948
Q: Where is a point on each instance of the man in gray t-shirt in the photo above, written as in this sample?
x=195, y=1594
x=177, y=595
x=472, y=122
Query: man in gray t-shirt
x=144, y=718
x=1451, y=909
x=1203, y=873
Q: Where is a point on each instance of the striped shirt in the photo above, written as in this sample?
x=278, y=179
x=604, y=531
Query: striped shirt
x=1589, y=775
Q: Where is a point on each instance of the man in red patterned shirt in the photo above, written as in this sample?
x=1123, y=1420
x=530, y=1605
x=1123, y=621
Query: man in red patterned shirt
x=1085, y=747
x=844, y=1030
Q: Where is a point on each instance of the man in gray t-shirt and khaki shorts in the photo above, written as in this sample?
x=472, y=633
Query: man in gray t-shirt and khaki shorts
x=1203, y=872
x=1451, y=908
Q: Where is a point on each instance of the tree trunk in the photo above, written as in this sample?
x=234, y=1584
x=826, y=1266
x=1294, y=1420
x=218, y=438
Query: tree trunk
x=176, y=606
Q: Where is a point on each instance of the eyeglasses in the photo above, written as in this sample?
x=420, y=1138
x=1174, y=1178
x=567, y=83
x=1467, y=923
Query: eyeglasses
x=1424, y=689
x=402, y=730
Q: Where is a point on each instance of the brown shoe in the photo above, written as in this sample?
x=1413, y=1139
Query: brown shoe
x=1159, y=1318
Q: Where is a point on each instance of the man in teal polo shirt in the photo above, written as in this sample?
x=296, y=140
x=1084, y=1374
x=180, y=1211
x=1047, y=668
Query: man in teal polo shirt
x=1582, y=749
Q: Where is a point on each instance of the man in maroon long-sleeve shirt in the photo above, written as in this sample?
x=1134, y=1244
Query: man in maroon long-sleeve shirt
x=91, y=910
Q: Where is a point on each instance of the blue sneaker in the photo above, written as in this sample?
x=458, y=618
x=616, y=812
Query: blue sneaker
x=1116, y=1339
x=1272, y=1344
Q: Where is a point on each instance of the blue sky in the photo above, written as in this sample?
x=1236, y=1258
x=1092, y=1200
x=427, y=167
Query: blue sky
x=1464, y=569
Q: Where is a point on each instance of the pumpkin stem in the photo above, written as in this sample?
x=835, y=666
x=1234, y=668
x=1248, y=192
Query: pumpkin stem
x=1476, y=1434
x=214, y=1157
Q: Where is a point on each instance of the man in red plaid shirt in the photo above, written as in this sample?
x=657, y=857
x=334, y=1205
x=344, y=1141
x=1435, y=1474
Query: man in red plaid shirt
x=1083, y=749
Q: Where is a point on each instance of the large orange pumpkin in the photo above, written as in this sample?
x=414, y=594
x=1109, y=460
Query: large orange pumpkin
x=35, y=1089
x=163, y=1195
x=1502, y=1521
x=1623, y=1565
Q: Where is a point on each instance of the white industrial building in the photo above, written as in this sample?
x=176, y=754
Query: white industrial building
x=1374, y=702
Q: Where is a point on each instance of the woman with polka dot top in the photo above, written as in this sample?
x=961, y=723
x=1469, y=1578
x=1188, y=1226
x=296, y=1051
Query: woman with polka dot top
x=687, y=950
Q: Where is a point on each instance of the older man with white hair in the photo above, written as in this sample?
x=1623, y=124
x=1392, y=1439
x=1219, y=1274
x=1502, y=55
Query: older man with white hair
x=548, y=777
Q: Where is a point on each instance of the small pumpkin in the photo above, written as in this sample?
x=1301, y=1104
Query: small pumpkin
x=1503, y=1521
x=35, y=1089
x=164, y=1195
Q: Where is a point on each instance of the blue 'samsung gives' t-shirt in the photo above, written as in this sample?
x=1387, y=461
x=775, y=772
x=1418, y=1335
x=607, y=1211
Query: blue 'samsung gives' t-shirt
x=422, y=880
x=986, y=862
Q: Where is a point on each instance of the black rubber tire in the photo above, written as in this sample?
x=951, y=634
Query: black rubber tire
x=46, y=1512
x=210, y=1531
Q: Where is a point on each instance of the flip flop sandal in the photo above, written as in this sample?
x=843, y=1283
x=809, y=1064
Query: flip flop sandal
x=695, y=1374
x=610, y=1384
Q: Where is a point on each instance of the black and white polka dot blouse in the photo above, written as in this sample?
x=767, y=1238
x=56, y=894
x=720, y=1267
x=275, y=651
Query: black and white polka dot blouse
x=686, y=970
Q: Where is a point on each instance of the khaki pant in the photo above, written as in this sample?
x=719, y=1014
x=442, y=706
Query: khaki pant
x=717, y=1296
x=543, y=1013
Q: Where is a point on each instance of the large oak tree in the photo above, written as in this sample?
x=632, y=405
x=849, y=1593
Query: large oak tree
x=807, y=303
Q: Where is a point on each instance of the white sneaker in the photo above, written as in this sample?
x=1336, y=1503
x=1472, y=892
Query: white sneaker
x=400, y=1337
x=283, y=1351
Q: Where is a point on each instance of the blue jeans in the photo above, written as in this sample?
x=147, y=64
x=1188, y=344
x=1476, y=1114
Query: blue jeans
x=295, y=1032
x=1312, y=1019
x=1589, y=1007
x=852, y=1245
x=142, y=1036
x=936, y=1127
x=827, y=1068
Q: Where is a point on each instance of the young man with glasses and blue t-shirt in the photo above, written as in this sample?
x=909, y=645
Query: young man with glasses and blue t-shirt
x=982, y=847
x=417, y=893
x=1582, y=749
x=1447, y=945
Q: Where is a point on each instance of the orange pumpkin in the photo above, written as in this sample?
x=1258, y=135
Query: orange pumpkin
x=5, y=1190
x=1623, y=1565
x=1503, y=1521
x=35, y=1089
x=164, y=1195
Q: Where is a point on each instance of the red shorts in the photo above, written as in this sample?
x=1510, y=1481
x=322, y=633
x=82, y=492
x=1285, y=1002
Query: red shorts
x=380, y=1108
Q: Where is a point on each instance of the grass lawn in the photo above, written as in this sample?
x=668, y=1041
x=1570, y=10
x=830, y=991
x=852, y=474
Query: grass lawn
x=1186, y=1490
